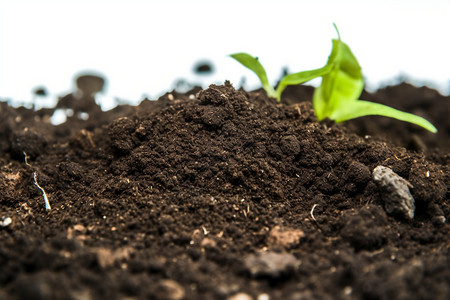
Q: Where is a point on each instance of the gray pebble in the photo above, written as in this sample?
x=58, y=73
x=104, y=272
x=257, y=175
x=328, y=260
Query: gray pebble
x=394, y=192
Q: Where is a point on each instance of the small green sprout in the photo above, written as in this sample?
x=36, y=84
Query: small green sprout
x=253, y=64
x=337, y=96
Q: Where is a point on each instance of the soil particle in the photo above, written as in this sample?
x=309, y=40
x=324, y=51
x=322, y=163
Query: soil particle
x=359, y=173
x=429, y=184
x=28, y=141
x=121, y=134
x=284, y=237
x=364, y=228
x=290, y=145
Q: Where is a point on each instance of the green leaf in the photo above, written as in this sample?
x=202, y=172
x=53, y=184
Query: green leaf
x=337, y=96
x=253, y=64
x=299, y=78
x=362, y=108
x=343, y=83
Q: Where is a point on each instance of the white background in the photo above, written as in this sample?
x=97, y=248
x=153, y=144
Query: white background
x=143, y=47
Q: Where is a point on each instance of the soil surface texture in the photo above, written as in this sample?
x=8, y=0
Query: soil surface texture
x=224, y=194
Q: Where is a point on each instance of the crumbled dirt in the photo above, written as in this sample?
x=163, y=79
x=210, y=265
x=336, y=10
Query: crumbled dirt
x=220, y=194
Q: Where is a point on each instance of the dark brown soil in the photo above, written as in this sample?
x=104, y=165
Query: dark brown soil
x=221, y=194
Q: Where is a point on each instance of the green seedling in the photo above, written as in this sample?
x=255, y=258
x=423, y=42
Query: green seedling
x=337, y=96
x=253, y=64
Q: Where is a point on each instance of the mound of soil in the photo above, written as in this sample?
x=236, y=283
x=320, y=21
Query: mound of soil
x=223, y=194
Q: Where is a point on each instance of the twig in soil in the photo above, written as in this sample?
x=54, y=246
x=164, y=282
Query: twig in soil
x=312, y=211
x=44, y=194
x=205, y=232
x=47, y=203
x=26, y=159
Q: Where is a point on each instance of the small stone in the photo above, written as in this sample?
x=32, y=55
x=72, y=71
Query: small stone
x=437, y=215
x=438, y=220
x=170, y=290
x=224, y=290
x=394, y=192
x=271, y=264
x=263, y=296
x=5, y=221
x=240, y=296
x=348, y=290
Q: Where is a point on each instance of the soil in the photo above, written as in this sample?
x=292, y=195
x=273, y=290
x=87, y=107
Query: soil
x=223, y=194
